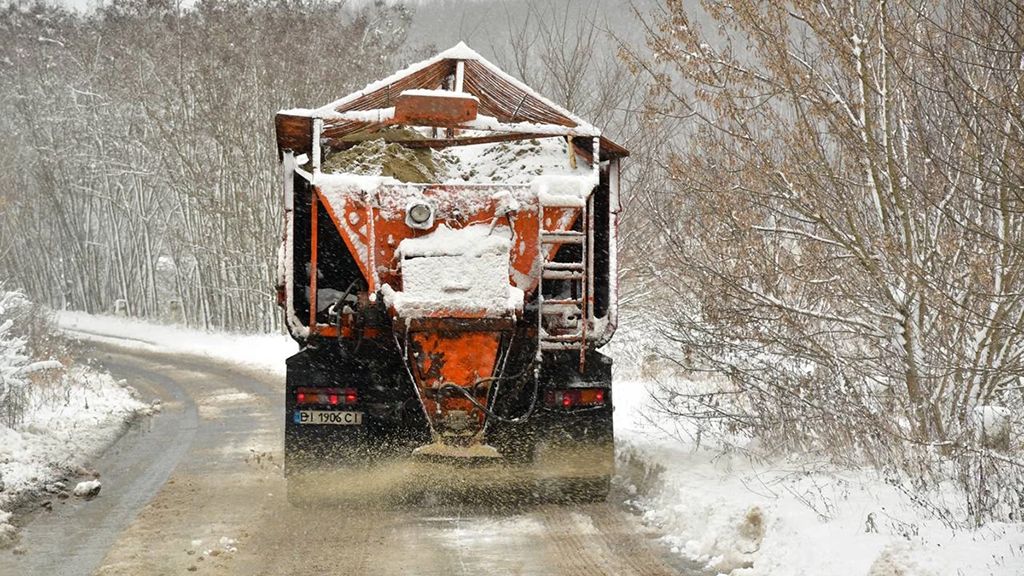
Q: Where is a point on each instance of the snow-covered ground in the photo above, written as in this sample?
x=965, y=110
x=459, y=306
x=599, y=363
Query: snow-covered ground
x=264, y=351
x=782, y=517
x=791, y=517
x=60, y=432
x=71, y=413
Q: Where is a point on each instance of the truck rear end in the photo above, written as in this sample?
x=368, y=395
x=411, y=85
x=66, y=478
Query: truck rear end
x=448, y=268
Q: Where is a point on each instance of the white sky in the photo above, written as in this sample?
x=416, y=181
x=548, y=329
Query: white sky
x=84, y=4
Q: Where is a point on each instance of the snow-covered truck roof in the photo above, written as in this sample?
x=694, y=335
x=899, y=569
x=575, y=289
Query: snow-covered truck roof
x=503, y=107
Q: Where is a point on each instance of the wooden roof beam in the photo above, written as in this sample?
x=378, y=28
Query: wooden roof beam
x=342, y=144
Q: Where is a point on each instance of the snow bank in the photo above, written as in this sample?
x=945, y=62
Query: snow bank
x=8, y=533
x=62, y=429
x=479, y=253
x=67, y=416
x=789, y=517
x=262, y=351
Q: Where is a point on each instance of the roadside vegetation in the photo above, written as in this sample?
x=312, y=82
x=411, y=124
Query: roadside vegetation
x=139, y=171
x=27, y=352
x=56, y=412
x=840, y=254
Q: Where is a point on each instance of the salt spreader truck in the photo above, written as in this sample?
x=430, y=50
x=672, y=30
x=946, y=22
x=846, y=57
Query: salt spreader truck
x=448, y=269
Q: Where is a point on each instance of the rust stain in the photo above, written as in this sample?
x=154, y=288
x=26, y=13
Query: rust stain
x=424, y=109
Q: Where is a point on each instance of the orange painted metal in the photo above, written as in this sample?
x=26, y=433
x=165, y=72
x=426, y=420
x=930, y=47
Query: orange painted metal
x=455, y=347
x=389, y=229
x=448, y=357
x=422, y=109
x=373, y=234
x=353, y=230
x=347, y=331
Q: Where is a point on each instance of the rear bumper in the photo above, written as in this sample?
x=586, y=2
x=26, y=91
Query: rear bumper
x=393, y=424
x=555, y=446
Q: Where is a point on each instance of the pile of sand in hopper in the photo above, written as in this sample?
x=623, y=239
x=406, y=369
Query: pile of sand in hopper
x=372, y=156
x=516, y=162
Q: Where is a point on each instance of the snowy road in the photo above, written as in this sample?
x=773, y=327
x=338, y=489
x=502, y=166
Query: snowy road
x=199, y=489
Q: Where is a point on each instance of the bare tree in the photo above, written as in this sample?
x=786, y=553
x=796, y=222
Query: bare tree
x=844, y=225
x=142, y=174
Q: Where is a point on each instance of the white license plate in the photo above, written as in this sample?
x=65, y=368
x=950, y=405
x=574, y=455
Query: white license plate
x=325, y=417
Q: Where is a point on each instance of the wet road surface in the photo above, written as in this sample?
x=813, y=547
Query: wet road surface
x=198, y=489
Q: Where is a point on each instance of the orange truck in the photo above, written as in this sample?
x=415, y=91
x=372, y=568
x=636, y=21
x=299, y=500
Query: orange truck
x=448, y=269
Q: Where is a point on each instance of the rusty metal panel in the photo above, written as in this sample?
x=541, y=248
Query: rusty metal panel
x=428, y=110
x=294, y=133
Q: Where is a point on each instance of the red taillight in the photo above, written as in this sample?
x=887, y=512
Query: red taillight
x=325, y=396
x=576, y=397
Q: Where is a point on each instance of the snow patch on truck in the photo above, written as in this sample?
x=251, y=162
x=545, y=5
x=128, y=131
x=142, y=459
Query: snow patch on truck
x=479, y=254
x=517, y=162
x=341, y=185
x=437, y=93
x=564, y=190
x=393, y=201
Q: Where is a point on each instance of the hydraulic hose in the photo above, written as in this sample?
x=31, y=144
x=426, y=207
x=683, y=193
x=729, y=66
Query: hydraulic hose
x=487, y=411
x=490, y=414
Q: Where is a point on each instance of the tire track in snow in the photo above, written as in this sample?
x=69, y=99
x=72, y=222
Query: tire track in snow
x=572, y=546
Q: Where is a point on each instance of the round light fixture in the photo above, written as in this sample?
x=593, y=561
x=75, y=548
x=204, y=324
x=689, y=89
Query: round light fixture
x=419, y=215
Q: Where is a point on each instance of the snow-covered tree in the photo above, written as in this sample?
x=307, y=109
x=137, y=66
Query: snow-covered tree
x=16, y=364
x=844, y=227
x=140, y=168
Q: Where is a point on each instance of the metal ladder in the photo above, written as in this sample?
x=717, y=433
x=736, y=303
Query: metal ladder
x=575, y=272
